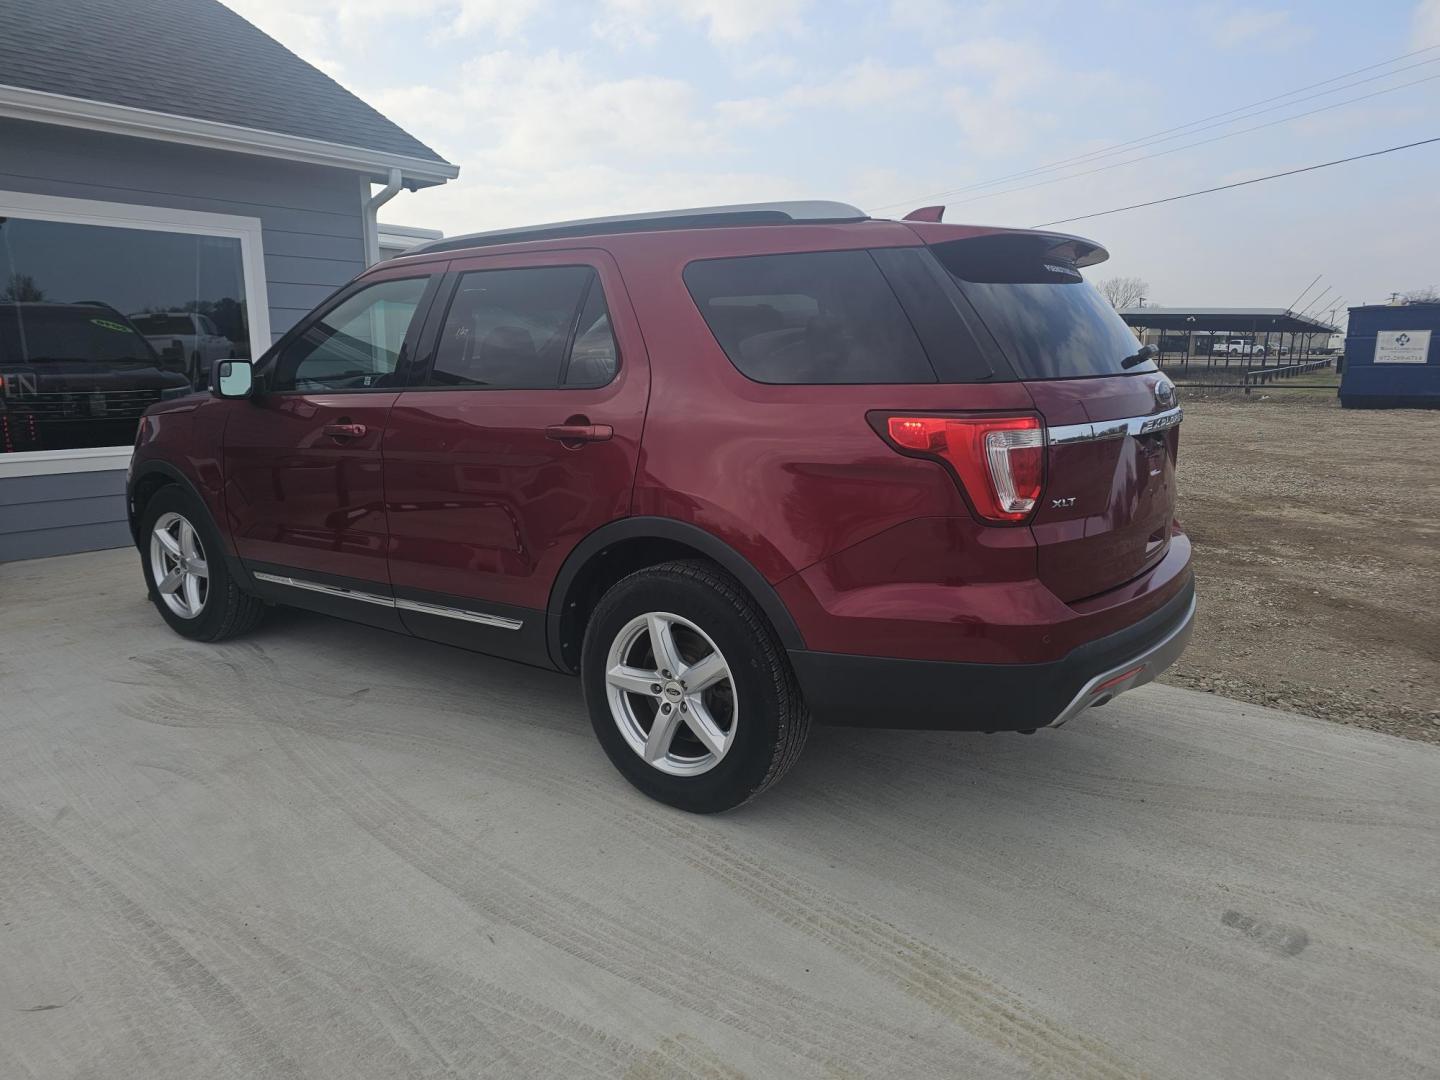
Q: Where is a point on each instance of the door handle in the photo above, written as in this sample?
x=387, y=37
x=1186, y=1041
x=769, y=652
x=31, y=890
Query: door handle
x=568, y=433
x=344, y=431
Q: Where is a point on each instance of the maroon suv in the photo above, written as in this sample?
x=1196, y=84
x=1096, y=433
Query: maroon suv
x=737, y=468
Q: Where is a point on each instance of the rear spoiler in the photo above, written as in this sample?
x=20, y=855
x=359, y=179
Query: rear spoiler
x=1059, y=247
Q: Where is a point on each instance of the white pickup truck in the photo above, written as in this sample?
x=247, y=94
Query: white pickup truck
x=1236, y=347
x=199, y=340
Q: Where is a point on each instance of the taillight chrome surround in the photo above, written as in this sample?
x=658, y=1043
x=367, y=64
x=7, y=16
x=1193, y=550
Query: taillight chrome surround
x=998, y=460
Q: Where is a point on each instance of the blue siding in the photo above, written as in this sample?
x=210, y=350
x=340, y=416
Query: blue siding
x=309, y=215
x=311, y=231
x=62, y=513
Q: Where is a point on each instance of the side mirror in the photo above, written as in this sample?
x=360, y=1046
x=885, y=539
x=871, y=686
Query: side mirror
x=234, y=379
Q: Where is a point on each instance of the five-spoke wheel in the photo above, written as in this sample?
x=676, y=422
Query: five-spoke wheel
x=671, y=694
x=177, y=561
x=690, y=692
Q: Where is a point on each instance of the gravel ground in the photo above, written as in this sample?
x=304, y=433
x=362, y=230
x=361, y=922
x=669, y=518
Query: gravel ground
x=1316, y=532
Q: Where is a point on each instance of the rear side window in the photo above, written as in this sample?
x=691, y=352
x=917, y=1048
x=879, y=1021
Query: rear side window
x=812, y=317
x=514, y=329
x=1049, y=322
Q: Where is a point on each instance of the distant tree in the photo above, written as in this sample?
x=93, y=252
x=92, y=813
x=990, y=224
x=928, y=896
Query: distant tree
x=1430, y=294
x=22, y=288
x=1124, y=292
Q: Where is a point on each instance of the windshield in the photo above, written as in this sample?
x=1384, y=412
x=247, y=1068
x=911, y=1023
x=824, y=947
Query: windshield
x=159, y=325
x=1049, y=321
x=36, y=333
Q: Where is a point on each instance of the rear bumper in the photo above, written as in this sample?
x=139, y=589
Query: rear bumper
x=870, y=691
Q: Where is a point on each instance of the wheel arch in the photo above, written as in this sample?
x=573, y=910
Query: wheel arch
x=152, y=476
x=623, y=546
x=148, y=478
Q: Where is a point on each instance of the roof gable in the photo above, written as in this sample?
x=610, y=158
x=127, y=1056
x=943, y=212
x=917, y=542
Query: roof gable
x=192, y=58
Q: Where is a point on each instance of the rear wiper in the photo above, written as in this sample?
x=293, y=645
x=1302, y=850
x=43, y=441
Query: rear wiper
x=1144, y=353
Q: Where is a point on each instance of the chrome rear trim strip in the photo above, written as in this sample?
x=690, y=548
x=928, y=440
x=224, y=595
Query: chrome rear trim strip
x=328, y=590
x=1145, y=666
x=1114, y=429
x=497, y=621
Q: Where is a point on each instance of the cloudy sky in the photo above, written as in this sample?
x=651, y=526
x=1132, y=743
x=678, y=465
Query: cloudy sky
x=557, y=110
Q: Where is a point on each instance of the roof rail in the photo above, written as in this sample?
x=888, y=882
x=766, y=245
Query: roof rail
x=813, y=212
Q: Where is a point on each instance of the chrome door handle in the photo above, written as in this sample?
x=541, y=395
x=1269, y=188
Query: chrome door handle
x=345, y=431
x=577, y=433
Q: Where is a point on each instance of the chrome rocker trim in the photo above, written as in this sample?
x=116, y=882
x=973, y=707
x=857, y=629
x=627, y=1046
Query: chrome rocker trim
x=1142, y=668
x=1114, y=429
x=417, y=606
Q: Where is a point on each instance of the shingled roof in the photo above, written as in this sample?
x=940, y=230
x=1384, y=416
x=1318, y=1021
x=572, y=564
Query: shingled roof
x=189, y=58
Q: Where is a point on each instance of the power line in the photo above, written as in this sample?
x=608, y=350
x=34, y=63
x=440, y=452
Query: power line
x=1238, y=183
x=1156, y=136
x=1201, y=142
x=1193, y=127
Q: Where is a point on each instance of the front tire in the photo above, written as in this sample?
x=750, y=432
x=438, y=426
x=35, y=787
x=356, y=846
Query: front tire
x=186, y=574
x=689, y=691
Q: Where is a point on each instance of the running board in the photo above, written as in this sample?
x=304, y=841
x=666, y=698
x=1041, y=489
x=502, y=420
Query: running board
x=417, y=606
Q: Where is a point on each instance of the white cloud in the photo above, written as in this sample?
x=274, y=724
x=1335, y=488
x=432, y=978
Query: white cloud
x=725, y=21
x=1246, y=27
x=859, y=85
x=1426, y=23
x=503, y=18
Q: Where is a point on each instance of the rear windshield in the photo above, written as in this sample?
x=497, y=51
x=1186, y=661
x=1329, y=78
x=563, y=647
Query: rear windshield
x=1049, y=322
x=34, y=333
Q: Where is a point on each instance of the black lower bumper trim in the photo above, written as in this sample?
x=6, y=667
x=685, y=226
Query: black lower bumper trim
x=873, y=691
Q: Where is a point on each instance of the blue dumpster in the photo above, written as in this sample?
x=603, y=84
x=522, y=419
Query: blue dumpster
x=1392, y=357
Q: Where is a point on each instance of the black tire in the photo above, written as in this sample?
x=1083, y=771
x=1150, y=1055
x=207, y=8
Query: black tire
x=228, y=610
x=772, y=721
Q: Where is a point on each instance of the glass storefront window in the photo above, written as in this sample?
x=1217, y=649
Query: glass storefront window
x=97, y=323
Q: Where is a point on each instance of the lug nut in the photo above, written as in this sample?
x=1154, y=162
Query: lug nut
x=666, y=674
x=665, y=709
x=654, y=688
x=684, y=707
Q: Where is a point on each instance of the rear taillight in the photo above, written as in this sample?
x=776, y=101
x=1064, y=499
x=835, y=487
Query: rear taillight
x=1000, y=460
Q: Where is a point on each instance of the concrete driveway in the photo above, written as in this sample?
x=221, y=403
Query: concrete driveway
x=328, y=851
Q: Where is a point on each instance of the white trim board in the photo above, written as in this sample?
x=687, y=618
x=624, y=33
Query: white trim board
x=54, y=462
x=21, y=103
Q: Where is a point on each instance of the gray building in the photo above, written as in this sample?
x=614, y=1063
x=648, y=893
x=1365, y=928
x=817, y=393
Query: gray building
x=175, y=187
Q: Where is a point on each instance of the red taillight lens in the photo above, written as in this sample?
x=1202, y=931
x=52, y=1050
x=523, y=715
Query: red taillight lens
x=1000, y=460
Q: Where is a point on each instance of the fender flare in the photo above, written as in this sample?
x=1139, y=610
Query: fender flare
x=154, y=467
x=157, y=467
x=659, y=528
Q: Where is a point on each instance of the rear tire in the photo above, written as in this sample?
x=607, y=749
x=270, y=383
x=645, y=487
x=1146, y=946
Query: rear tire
x=731, y=719
x=185, y=570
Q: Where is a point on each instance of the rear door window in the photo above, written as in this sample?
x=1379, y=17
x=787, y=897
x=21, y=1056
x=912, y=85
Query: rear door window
x=1049, y=322
x=810, y=317
x=526, y=328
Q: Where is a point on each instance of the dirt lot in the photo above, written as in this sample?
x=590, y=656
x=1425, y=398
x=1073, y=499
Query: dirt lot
x=1317, y=534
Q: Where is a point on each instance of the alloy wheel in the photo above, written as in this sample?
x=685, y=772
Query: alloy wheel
x=671, y=694
x=177, y=563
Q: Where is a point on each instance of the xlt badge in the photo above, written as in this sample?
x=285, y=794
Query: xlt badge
x=1062, y=504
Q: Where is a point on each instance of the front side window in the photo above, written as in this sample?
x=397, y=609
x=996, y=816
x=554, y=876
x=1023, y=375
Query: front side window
x=526, y=328
x=97, y=324
x=812, y=317
x=356, y=345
